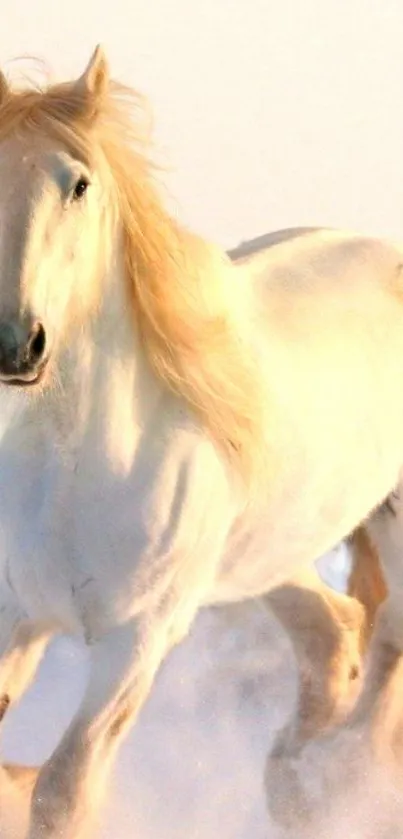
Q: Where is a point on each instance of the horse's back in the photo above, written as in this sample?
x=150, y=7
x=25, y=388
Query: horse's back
x=255, y=246
x=319, y=251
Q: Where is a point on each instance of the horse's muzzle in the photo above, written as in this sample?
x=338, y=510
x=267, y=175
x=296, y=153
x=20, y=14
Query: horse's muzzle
x=22, y=352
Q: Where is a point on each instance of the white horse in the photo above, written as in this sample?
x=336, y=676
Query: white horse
x=179, y=431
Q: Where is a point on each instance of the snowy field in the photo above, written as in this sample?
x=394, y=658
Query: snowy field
x=193, y=766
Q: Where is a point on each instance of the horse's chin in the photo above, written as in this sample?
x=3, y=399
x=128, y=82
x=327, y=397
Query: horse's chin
x=31, y=381
x=13, y=405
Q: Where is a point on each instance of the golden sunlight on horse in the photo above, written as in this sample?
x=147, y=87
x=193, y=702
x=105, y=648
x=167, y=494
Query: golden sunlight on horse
x=180, y=428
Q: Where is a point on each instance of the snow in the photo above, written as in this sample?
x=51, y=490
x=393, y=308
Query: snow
x=193, y=765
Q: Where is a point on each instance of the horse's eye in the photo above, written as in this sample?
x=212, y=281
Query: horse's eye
x=80, y=188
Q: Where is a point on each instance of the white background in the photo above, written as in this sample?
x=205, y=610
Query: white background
x=269, y=113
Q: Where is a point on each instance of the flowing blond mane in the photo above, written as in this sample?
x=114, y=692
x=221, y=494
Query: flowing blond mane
x=189, y=303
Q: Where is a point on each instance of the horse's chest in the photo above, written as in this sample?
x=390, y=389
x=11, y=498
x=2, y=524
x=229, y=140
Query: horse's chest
x=37, y=538
x=71, y=535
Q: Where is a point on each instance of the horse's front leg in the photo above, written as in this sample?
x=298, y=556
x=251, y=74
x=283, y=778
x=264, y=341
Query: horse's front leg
x=22, y=644
x=123, y=666
x=10, y=619
x=18, y=666
x=20, y=661
x=21, y=647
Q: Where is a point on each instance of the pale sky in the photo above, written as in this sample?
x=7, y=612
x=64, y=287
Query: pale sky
x=270, y=113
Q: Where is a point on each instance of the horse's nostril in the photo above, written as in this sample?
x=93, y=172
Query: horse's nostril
x=22, y=350
x=37, y=343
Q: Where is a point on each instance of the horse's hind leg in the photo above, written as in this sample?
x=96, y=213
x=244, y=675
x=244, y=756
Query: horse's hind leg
x=326, y=631
x=329, y=633
x=366, y=581
x=337, y=757
x=385, y=528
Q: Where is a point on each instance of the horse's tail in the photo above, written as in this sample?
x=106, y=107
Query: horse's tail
x=366, y=582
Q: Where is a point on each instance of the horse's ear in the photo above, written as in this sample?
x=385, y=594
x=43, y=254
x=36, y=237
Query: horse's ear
x=4, y=88
x=93, y=84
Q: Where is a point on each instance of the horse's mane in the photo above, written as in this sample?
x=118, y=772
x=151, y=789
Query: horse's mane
x=192, y=308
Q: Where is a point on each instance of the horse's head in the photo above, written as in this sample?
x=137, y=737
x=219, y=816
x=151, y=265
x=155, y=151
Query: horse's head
x=76, y=191
x=54, y=219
